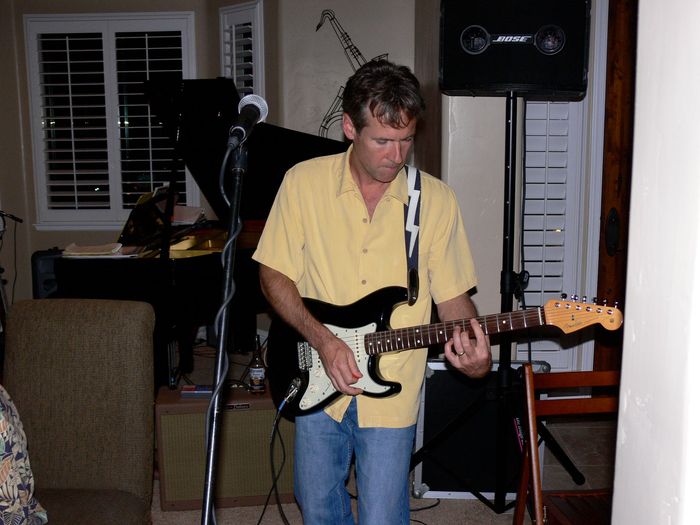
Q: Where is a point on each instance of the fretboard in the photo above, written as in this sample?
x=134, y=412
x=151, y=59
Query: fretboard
x=439, y=333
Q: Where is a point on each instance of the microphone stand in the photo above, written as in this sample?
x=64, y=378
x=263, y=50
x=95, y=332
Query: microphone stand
x=239, y=166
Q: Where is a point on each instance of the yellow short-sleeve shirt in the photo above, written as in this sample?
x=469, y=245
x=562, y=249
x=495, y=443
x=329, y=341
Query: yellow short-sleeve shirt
x=319, y=234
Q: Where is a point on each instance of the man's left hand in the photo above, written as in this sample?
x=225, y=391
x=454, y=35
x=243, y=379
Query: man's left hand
x=471, y=357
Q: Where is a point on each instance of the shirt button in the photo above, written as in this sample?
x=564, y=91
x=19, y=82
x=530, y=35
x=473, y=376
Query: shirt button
x=364, y=281
x=364, y=250
x=364, y=220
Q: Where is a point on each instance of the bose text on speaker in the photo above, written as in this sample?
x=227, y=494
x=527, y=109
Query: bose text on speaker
x=536, y=49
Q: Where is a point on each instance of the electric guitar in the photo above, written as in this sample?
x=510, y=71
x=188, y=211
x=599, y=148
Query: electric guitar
x=296, y=373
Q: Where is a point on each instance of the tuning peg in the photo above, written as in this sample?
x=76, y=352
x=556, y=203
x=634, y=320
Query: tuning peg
x=595, y=300
x=584, y=299
x=605, y=302
x=574, y=298
x=564, y=296
x=616, y=304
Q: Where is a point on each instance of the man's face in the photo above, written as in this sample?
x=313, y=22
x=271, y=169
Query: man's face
x=379, y=151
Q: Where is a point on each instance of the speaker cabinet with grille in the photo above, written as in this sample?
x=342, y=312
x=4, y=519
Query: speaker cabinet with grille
x=457, y=436
x=536, y=49
x=243, y=474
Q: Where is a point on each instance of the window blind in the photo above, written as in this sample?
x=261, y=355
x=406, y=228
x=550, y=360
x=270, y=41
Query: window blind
x=547, y=172
x=241, y=47
x=74, y=120
x=146, y=147
x=97, y=144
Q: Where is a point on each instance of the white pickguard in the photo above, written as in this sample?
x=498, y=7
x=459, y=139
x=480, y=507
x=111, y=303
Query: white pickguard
x=320, y=386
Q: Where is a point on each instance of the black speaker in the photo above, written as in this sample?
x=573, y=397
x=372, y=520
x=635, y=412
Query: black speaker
x=43, y=273
x=537, y=49
x=457, y=436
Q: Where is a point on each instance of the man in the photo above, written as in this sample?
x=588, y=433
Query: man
x=336, y=233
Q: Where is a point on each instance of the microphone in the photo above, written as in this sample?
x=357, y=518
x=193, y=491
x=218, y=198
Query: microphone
x=251, y=110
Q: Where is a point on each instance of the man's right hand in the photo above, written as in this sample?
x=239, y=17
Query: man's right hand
x=336, y=357
x=339, y=363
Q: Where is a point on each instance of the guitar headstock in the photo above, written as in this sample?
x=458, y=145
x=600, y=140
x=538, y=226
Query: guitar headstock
x=570, y=316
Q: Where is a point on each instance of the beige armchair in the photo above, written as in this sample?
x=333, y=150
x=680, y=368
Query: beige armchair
x=80, y=372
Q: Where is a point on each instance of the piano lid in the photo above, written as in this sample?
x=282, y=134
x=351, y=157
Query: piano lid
x=272, y=150
x=199, y=113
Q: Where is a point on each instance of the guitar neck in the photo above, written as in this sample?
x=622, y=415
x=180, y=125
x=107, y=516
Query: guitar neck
x=439, y=333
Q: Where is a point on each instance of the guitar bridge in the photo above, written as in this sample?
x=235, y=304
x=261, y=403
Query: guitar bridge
x=304, y=355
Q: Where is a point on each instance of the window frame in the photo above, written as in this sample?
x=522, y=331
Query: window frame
x=251, y=12
x=108, y=24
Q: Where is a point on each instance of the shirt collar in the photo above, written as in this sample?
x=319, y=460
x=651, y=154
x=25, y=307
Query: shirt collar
x=398, y=188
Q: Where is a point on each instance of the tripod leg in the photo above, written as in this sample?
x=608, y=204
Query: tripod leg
x=559, y=453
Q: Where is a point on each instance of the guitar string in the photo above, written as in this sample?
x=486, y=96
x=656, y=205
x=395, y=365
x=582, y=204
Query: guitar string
x=436, y=331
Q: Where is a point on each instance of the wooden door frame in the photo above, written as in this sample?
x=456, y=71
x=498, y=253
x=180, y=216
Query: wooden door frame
x=617, y=171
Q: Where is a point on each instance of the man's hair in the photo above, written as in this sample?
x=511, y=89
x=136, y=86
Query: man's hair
x=390, y=92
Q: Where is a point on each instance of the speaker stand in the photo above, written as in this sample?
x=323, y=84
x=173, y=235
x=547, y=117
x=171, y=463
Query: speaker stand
x=512, y=285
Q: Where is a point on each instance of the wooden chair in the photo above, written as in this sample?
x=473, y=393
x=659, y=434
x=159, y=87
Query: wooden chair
x=572, y=507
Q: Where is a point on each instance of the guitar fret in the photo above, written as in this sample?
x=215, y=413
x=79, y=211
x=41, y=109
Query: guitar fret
x=370, y=344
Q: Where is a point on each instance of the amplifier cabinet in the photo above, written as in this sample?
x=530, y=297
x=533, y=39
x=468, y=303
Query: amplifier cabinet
x=243, y=474
x=458, y=435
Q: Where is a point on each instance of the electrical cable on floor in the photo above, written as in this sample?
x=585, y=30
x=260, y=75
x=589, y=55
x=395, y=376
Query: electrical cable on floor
x=427, y=507
x=292, y=392
x=276, y=476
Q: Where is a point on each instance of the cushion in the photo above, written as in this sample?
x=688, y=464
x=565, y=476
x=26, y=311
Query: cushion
x=91, y=507
x=18, y=506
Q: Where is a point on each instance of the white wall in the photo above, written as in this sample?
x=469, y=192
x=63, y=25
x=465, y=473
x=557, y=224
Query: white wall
x=314, y=65
x=658, y=459
x=474, y=165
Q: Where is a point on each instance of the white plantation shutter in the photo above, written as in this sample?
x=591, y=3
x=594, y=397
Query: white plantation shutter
x=242, y=47
x=97, y=146
x=146, y=148
x=551, y=228
x=74, y=120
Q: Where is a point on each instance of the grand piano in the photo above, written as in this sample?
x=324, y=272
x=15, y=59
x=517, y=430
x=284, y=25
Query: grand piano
x=183, y=281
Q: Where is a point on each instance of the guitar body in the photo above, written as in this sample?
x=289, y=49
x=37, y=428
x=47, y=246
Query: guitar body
x=290, y=358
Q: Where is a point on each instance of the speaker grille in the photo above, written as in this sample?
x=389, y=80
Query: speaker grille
x=536, y=49
x=243, y=474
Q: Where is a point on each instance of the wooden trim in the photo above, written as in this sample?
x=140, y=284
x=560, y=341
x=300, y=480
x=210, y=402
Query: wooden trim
x=428, y=145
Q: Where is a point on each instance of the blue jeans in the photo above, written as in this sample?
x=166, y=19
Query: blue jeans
x=323, y=453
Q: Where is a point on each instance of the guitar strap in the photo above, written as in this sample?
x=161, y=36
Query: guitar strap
x=411, y=229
